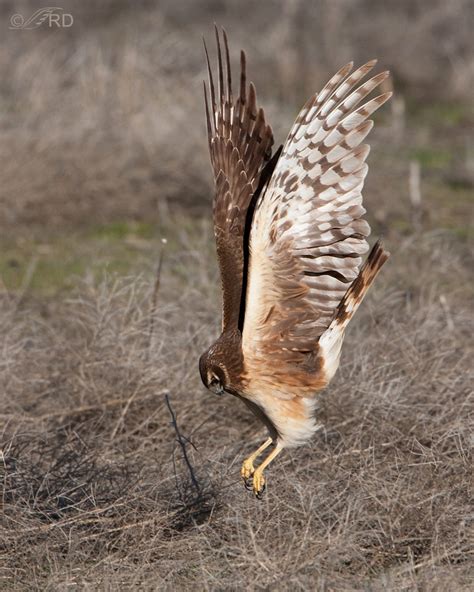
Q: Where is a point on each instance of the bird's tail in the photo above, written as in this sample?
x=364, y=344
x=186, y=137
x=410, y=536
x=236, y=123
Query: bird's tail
x=360, y=286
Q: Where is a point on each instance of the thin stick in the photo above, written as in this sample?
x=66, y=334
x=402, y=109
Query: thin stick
x=414, y=186
x=182, y=442
x=154, y=296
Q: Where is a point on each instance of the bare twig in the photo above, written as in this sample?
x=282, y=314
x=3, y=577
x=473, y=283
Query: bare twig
x=182, y=442
x=154, y=296
x=414, y=186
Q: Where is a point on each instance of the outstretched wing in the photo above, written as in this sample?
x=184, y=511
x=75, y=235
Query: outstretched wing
x=240, y=142
x=308, y=232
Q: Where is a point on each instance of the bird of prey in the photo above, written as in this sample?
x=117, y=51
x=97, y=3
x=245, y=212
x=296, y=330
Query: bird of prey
x=290, y=234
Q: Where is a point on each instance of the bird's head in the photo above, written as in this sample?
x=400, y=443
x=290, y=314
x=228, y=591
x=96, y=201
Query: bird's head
x=221, y=366
x=213, y=374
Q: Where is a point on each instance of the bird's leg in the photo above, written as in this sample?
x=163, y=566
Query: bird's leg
x=258, y=478
x=248, y=469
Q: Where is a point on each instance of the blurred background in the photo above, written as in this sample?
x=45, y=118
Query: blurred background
x=103, y=154
x=102, y=123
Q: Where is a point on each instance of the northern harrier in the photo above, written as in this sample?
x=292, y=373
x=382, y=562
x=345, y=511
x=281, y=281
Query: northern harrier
x=290, y=233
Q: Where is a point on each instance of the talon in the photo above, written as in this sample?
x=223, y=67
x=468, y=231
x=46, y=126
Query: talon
x=258, y=484
x=259, y=494
x=248, y=484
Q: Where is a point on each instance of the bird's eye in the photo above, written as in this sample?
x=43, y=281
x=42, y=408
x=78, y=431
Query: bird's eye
x=214, y=381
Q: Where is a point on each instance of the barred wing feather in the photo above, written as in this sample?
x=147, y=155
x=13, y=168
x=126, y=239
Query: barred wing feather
x=308, y=232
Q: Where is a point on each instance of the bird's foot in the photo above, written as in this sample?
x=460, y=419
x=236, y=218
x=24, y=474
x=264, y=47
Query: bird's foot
x=258, y=485
x=247, y=472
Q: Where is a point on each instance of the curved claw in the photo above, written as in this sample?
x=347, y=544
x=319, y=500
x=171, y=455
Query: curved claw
x=258, y=484
x=248, y=483
x=259, y=494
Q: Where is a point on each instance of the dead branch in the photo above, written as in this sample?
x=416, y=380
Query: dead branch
x=182, y=443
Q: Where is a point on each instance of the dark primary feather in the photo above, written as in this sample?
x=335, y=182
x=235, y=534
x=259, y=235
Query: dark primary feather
x=240, y=142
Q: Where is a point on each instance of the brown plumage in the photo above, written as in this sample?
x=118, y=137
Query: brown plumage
x=240, y=144
x=289, y=234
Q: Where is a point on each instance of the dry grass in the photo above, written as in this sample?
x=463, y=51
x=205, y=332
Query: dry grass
x=102, y=124
x=96, y=492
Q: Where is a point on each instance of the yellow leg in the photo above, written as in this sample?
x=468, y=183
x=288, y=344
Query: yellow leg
x=258, y=478
x=247, y=467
